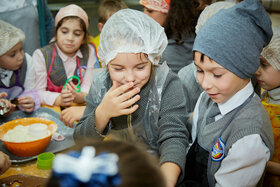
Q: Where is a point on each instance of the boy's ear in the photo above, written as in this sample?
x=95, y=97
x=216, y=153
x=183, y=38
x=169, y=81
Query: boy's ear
x=100, y=26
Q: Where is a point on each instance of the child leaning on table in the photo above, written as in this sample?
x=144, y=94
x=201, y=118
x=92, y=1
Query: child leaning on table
x=16, y=69
x=136, y=96
x=231, y=131
x=268, y=76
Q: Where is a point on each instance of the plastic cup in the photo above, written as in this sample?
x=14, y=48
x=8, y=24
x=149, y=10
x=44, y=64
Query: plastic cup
x=44, y=160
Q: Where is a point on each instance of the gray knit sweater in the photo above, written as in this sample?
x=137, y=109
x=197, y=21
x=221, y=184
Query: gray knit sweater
x=172, y=132
x=252, y=119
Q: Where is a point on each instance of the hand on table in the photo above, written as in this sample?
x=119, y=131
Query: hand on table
x=70, y=115
x=5, y=162
x=27, y=103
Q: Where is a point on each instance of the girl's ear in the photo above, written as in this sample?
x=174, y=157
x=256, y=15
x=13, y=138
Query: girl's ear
x=100, y=26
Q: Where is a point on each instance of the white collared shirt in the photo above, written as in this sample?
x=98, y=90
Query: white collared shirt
x=246, y=159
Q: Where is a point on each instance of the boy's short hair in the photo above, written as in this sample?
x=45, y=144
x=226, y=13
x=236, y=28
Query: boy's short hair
x=108, y=7
x=9, y=36
x=272, y=52
x=235, y=37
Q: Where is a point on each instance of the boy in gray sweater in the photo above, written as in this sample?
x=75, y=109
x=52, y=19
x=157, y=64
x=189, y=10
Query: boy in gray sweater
x=231, y=131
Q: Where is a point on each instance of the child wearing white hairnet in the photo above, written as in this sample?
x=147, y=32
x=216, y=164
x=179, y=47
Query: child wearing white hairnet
x=136, y=96
x=268, y=76
x=16, y=69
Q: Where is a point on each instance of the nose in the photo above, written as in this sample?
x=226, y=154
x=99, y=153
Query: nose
x=129, y=76
x=69, y=36
x=20, y=55
x=258, y=72
x=206, y=83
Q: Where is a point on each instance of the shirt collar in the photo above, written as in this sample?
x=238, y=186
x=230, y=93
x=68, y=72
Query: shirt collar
x=236, y=100
x=6, y=80
x=66, y=58
x=274, y=94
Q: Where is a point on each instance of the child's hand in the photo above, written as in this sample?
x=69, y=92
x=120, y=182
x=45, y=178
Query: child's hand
x=79, y=97
x=5, y=162
x=119, y=101
x=8, y=105
x=70, y=115
x=27, y=103
x=66, y=98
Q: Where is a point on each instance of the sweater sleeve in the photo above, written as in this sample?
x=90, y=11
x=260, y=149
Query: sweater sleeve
x=86, y=128
x=173, y=134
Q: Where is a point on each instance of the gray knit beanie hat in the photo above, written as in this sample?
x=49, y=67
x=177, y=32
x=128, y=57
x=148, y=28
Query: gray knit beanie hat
x=9, y=36
x=235, y=37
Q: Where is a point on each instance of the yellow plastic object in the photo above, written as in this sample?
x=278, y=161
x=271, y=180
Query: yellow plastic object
x=273, y=111
x=31, y=148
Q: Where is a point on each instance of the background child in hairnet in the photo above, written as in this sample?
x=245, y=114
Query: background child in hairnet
x=268, y=76
x=231, y=131
x=16, y=69
x=69, y=55
x=135, y=91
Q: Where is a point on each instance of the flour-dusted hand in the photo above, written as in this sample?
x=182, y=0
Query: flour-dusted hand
x=118, y=101
x=27, y=103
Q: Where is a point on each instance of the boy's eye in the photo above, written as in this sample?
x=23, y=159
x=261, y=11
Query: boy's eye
x=199, y=71
x=263, y=65
x=217, y=76
x=13, y=54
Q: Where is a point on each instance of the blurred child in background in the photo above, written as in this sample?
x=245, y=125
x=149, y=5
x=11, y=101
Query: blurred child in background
x=156, y=9
x=69, y=55
x=134, y=95
x=105, y=10
x=231, y=131
x=268, y=76
x=16, y=69
x=107, y=163
x=180, y=30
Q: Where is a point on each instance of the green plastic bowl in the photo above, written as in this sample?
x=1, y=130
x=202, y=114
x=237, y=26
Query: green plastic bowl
x=44, y=160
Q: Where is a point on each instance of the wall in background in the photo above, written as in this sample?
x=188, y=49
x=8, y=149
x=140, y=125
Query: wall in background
x=91, y=7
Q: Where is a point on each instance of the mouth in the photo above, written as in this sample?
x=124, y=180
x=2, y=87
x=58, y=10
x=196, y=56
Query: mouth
x=68, y=45
x=213, y=95
x=260, y=82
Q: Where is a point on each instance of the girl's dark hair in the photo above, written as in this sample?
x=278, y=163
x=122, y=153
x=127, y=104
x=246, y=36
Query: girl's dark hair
x=182, y=18
x=83, y=26
x=136, y=167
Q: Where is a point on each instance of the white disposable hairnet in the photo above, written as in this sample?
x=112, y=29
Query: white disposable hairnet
x=272, y=52
x=209, y=11
x=131, y=31
x=9, y=36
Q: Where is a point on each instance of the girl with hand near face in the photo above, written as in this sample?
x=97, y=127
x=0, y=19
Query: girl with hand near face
x=68, y=55
x=136, y=97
